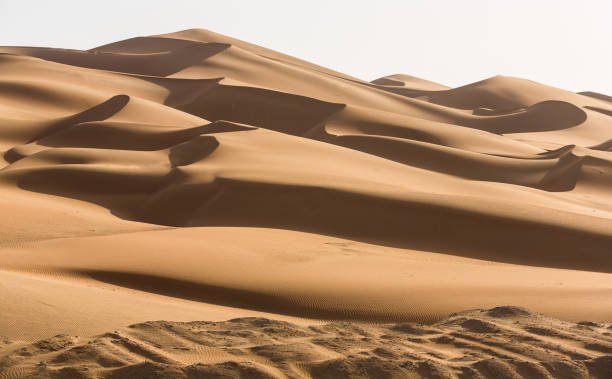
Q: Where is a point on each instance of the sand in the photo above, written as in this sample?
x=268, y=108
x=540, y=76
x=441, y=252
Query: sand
x=502, y=342
x=195, y=178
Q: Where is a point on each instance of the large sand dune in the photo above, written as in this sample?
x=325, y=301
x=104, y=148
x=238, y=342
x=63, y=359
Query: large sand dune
x=193, y=176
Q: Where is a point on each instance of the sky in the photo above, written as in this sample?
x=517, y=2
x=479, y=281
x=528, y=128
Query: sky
x=566, y=44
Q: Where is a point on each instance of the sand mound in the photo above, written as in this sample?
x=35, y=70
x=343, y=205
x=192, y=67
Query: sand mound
x=470, y=344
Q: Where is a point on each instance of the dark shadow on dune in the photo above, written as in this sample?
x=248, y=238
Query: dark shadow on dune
x=193, y=150
x=541, y=117
x=12, y=155
x=121, y=136
x=124, y=192
x=556, y=153
x=120, y=192
x=222, y=126
x=258, y=107
x=560, y=173
x=387, y=82
x=278, y=111
x=564, y=175
x=175, y=200
x=598, y=96
x=230, y=297
x=145, y=45
x=169, y=57
x=133, y=136
x=403, y=91
x=600, y=110
x=183, y=92
x=99, y=112
x=383, y=221
x=604, y=146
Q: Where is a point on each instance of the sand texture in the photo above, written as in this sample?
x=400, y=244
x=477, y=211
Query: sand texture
x=502, y=342
x=192, y=176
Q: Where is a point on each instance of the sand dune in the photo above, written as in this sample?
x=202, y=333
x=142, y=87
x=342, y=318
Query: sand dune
x=192, y=176
x=502, y=342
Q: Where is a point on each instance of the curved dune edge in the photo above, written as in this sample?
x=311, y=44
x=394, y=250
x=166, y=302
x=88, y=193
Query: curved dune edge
x=499, y=342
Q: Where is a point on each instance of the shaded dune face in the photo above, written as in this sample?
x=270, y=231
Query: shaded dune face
x=155, y=57
x=209, y=137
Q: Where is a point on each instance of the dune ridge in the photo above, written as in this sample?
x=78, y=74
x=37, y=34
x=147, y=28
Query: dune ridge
x=193, y=176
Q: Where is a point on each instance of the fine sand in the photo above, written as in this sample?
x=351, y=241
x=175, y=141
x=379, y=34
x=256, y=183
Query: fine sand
x=501, y=342
x=192, y=176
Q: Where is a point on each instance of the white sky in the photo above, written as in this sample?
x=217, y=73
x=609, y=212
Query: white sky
x=567, y=44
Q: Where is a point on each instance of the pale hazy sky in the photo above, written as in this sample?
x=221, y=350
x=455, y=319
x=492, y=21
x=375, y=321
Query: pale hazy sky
x=566, y=44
